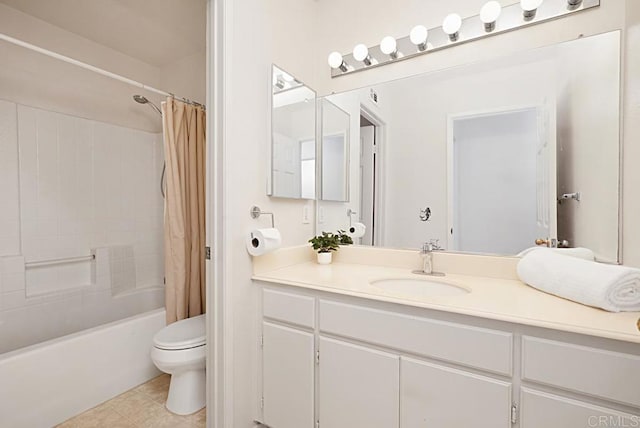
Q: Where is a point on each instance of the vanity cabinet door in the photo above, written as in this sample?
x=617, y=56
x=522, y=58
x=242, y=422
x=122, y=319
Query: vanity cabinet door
x=438, y=396
x=288, y=370
x=541, y=409
x=359, y=387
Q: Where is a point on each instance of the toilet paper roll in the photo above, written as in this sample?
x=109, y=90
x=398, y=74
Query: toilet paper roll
x=357, y=230
x=262, y=241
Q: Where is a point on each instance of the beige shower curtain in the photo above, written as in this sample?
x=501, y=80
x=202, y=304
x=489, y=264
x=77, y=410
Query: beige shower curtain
x=184, y=216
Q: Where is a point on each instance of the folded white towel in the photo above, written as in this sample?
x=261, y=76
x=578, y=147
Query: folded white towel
x=579, y=252
x=610, y=287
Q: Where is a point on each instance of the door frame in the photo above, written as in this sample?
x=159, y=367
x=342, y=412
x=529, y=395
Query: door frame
x=379, y=184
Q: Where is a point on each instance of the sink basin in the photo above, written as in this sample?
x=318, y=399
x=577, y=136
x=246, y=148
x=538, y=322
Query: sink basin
x=417, y=288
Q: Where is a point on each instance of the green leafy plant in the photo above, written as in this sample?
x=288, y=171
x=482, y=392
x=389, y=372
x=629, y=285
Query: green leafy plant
x=328, y=242
x=344, y=238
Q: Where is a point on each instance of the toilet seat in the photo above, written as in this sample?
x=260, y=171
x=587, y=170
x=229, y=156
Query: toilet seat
x=184, y=334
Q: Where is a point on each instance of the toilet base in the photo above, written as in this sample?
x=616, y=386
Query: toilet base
x=187, y=392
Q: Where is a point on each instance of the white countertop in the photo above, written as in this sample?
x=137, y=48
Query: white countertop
x=493, y=298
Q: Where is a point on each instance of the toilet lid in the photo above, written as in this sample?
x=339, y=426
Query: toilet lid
x=183, y=334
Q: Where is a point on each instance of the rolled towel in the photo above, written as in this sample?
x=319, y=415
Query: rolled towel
x=579, y=252
x=610, y=287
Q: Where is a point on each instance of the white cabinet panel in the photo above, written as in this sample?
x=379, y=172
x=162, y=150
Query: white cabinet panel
x=611, y=375
x=359, y=387
x=437, y=396
x=481, y=348
x=288, y=372
x=542, y=410
x=289, y=307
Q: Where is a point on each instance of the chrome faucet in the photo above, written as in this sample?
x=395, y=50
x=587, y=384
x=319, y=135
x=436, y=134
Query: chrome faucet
x=427, y=258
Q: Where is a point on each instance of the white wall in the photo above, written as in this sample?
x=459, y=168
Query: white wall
x=588, y=143
x=36, y=80
x=186, y=77
x=256, y=34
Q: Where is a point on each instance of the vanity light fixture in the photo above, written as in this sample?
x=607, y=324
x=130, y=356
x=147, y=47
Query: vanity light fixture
x=288, y=78
x=418, y=37
x=278, y=82
x=455, y=30
x=489, y=15
x=529, y=8
x=389, y=46
x=451, y=26
x=361, y=53
x=336, y=61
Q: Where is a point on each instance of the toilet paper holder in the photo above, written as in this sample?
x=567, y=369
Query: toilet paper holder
x=350, y=213
x=256, y=212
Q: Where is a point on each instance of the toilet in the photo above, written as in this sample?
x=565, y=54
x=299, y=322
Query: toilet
x=179, y=349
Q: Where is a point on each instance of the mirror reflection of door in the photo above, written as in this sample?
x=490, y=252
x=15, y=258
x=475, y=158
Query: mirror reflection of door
x=501, y=191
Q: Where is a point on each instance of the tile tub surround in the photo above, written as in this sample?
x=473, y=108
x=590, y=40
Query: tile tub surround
x=142, y=406
x=70, y=184
x=496, y=293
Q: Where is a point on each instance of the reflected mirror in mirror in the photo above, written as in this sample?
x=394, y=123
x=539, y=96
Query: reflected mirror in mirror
x=292, y=171
x=490, y=157
x=335, y=152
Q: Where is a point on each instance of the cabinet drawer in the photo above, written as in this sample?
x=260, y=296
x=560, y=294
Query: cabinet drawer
x=539, y=409
x=600, y=373
x=470, y=346
x=287, y=307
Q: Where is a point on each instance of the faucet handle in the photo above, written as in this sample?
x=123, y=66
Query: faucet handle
x=435, y=244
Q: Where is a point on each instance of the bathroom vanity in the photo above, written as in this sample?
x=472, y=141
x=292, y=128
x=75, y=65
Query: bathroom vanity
x=339, y=351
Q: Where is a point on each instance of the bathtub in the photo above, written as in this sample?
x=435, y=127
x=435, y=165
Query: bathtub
x=47, y=383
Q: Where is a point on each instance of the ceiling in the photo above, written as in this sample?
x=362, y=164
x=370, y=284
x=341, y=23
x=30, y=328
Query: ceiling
x=157, y=32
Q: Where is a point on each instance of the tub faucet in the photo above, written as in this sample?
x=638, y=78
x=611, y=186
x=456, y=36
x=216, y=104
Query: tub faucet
x=427, y=258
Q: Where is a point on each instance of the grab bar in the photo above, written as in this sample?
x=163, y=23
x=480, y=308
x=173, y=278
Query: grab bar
x=48, y=262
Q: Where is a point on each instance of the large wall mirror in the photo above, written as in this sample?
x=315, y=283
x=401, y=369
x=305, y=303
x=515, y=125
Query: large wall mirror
x=491, y=156
x=292, y=169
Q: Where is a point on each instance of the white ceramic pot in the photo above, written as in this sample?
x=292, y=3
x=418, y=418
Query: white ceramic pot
x=324, y=258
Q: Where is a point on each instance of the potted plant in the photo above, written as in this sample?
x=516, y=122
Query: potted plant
x=327, y=242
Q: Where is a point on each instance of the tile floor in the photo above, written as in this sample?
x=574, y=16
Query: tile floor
x=141, y=407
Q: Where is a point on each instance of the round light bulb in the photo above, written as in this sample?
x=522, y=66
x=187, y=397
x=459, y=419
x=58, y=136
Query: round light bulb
x=388, y=45
x=451, y=24
x=418, y=35
x=490, y=12
x=530, y=5
x=360, y=52
x=335, y=59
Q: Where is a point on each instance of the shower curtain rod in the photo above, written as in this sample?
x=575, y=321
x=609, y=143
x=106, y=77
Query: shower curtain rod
x=94, y=69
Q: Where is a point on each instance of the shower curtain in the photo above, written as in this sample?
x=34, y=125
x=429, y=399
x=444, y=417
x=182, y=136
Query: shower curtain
x=184, y=216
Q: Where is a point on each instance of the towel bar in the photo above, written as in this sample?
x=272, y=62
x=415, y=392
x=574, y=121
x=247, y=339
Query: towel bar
x=48, y=262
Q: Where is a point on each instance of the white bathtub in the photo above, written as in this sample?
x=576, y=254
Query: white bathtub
x=45, y=384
